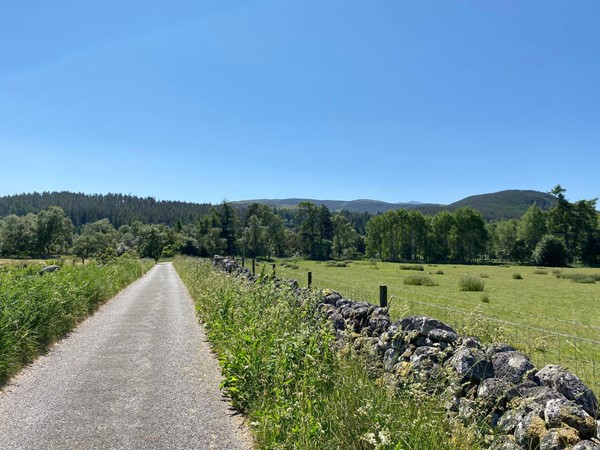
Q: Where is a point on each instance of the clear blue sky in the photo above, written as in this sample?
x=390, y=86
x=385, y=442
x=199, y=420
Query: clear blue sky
x=339, y=99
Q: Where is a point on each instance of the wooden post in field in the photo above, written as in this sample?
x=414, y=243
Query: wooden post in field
x=243, y=261
x=383, y=298
x=273, y=269
x=309, y=279
x=253, y=266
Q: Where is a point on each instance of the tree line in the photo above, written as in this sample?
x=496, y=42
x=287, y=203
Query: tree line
x=568, y=232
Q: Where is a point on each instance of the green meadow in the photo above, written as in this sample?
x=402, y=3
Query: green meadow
x=551, y=314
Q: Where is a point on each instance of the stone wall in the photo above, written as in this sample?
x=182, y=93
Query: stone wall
x=527, y=408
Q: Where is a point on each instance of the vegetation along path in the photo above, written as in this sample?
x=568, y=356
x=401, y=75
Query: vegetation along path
x=138, y=374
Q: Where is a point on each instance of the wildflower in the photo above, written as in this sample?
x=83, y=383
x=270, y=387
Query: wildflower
x=369, y=437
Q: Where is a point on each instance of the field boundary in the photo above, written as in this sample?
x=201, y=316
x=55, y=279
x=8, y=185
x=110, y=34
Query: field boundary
x=544, y=346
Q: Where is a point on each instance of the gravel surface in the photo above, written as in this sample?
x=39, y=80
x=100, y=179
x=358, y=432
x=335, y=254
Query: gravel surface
x=139, y=374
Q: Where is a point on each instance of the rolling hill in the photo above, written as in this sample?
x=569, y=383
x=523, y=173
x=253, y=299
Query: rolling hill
x=363, y=205
x=507, y=204
x=122, y=209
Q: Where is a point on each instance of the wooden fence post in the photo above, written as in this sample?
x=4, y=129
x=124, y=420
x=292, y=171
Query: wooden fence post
x=253, y=266
x=309, y=279
x=383, y=298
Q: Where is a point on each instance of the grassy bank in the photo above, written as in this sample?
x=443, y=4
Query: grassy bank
x=280, y=369
x=36, y=310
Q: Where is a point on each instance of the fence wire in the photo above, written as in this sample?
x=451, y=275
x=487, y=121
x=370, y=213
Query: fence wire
x=578, y=354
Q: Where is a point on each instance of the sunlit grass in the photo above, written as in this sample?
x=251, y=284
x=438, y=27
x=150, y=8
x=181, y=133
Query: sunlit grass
x=281, y=369
x=554, y=312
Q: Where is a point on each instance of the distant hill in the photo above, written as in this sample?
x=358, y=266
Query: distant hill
x=123, y=209
x=505, y=204
x=118, y=208
x=363, y=205
x=510, y=204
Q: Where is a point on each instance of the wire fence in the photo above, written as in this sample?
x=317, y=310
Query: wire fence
x=580, y=355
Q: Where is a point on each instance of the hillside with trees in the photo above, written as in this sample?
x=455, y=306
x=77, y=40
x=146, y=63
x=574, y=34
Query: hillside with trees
x=119, y=209
x=502, y=205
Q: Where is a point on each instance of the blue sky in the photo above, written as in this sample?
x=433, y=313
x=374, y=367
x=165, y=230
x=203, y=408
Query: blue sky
x=340, y=99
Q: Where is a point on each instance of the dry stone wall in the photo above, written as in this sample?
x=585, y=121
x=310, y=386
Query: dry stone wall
x=526, y=407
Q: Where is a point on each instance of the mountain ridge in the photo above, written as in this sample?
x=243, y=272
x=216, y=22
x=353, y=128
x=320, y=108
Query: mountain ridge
x=507, y=204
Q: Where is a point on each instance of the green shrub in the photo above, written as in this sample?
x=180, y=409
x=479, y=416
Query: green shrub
x=416, y=267
x=550, y=251
x=540, y=272
x=484, y=275
x=471, y=283
x=517, y=276
x=419, y=280
x=485, y=298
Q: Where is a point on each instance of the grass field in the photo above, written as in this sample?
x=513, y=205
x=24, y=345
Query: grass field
x=541, y=311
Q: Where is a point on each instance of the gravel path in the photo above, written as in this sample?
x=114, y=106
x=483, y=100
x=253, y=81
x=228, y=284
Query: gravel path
x=139, y=374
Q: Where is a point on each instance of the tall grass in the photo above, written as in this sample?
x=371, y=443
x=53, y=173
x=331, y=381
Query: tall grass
x=471, y=283
x=586, y=278
x=419, y=280
x=417, y=267
x=281, y=369
x=36, y=311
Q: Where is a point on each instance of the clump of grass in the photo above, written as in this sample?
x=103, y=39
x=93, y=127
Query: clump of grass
x=557, y=273
x=437, y=272
x=485, y=298
x=419, y=280
x=416, y=267
x=281, y=369
x=540, y=272
x=517, y=276
x=484, y=275
x=336, y=264
x=577, y=277
x=289, y=265
x=471, y=283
